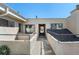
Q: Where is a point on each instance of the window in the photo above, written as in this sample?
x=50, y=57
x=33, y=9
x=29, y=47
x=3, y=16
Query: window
x=53, y=26
x=60, y=25
x=6, y=23
x=3, y=22
x=56, y=25
x=29, y=28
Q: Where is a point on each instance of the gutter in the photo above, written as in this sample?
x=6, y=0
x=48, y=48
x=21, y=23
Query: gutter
x=6, y=12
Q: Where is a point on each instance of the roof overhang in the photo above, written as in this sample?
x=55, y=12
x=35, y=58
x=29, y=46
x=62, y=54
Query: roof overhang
x=12, y=15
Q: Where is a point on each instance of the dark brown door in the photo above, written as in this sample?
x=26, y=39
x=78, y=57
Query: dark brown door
x=19, y=27
x=42, y=29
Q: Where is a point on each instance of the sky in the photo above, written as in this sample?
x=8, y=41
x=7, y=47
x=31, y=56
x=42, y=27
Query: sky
x=43, y=10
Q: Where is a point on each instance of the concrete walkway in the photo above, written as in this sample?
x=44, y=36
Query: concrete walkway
x=46, y=48
x=35, y=48
x=40, y=46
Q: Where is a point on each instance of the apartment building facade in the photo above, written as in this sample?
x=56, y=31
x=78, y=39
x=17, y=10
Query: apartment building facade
x=12, y=31
x=13, y=23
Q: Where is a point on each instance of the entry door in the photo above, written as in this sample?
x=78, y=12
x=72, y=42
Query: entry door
x=41, y=29
x=19, y=27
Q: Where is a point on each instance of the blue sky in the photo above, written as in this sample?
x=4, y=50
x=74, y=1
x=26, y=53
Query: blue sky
x=43, y=10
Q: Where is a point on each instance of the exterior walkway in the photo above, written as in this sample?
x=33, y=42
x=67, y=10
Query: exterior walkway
x=46, y=48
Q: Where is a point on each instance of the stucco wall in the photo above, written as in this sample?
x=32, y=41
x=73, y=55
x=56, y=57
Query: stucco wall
x=18, y=47
x=72, y=22
x=8, y=33
x=77, y=22
x=63, y=48
x=46, y=21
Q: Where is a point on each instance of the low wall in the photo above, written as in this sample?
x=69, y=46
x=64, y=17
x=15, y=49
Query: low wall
x=18, y=47
x=63, y=48
x=35, y=46
x=23, y=36
x=8, y=33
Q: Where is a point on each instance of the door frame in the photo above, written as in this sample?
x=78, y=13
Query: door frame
x=44, y=25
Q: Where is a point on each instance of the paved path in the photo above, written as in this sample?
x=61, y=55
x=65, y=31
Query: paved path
x=35, y=48
x=47, y=48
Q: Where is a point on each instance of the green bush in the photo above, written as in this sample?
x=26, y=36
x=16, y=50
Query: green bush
x=4, y=50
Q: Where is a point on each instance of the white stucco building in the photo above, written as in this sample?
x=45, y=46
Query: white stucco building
x=23, y=33
x=12, y=31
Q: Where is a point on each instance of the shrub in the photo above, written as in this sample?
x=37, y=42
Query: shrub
x=4, y=50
